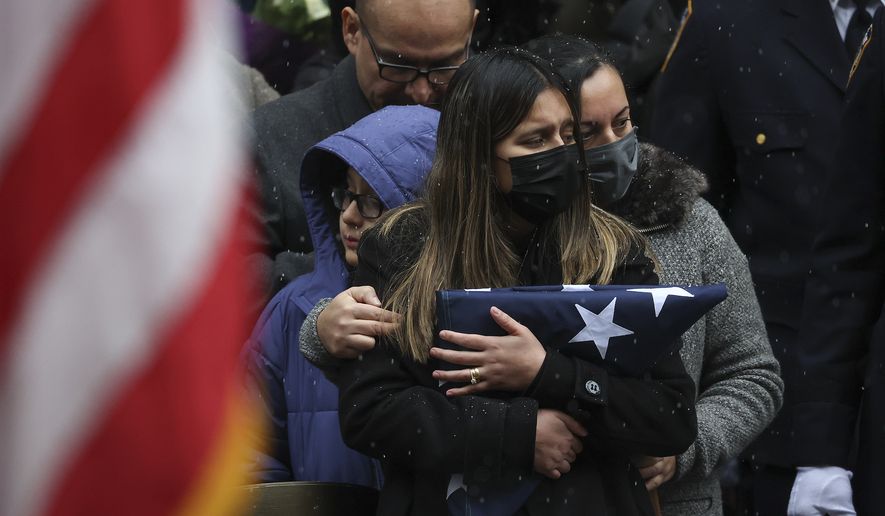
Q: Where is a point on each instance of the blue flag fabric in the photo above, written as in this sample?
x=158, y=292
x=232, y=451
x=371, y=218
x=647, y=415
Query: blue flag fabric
x=625, y=328
x=493, y=501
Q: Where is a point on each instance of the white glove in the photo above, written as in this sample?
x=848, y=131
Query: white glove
x=821, y=491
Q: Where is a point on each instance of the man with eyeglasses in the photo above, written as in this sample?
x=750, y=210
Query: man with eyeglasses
x=401, y=52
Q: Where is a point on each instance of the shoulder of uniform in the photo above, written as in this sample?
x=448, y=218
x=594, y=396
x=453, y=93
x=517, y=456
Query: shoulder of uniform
x=700, y=20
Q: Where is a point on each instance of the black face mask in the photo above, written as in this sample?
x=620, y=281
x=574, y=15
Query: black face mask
x=544, y=183
x=612, y=167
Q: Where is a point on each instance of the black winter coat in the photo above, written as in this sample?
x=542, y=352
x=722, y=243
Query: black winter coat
x=390, y=408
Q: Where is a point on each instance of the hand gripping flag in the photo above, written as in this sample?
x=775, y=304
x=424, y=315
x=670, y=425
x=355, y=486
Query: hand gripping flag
x=626, y=329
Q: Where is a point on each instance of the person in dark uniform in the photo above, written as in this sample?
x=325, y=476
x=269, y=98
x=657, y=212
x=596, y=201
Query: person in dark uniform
x=843, y=351
x=751, y=94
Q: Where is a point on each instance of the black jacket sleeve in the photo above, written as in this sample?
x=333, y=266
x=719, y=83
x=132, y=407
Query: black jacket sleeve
x=653, y=415
x=390, y=408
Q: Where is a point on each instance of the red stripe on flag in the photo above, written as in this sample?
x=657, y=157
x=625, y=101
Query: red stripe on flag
x=149, y=451
x=112, y=62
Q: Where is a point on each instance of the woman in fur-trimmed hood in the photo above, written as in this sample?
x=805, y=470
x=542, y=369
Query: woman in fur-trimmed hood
x=727, y=352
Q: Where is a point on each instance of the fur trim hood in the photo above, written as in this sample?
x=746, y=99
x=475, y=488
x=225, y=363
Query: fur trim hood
x=663, y=190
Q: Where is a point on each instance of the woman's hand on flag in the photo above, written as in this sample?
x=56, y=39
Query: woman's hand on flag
x=508, y=363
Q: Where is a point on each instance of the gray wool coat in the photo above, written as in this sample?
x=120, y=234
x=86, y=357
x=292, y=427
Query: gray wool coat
x=726, y=352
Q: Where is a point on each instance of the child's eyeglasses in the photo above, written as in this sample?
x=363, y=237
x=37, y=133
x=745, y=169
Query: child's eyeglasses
x=368, y=205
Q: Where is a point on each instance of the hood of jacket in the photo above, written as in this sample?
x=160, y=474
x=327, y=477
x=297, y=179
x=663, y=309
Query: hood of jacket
x=392, y=150
x=663, y=190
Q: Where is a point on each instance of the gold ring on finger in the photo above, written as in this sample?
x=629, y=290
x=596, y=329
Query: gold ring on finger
x=474, y=376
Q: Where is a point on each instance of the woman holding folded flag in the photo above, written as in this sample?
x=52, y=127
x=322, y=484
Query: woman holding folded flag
x=507, y=203
x=727, y=352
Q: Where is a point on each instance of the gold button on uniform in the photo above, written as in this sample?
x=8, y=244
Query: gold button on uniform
x=760, y=139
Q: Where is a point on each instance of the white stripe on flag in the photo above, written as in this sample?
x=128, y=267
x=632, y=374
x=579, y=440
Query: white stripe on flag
x=133, y=258
x=33, y=36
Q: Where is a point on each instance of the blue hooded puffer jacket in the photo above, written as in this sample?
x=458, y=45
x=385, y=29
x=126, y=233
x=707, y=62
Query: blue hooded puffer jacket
x=392, y=149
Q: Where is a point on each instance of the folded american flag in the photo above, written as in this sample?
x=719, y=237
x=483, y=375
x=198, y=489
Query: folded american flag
x=625, y=328
x=622, y=327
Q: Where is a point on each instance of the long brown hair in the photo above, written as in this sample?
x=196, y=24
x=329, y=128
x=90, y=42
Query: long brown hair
x=466, y=245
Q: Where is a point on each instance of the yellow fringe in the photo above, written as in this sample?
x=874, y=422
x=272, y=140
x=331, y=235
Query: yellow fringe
x=219, y=491
x=685, y=17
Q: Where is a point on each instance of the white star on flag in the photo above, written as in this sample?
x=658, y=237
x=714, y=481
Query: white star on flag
x=659, y=295
x=599, y=328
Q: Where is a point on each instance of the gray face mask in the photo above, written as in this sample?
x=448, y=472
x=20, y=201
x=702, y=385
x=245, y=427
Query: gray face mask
x=612, y=167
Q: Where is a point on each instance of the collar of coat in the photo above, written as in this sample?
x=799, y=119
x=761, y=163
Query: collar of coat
x=662, y=193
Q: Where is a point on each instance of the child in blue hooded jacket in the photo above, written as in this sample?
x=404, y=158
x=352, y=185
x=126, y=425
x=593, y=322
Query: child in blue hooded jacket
x=347, y=181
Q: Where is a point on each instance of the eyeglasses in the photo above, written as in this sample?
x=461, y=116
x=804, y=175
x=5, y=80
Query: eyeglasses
x=404, y=74
x=368, y=205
